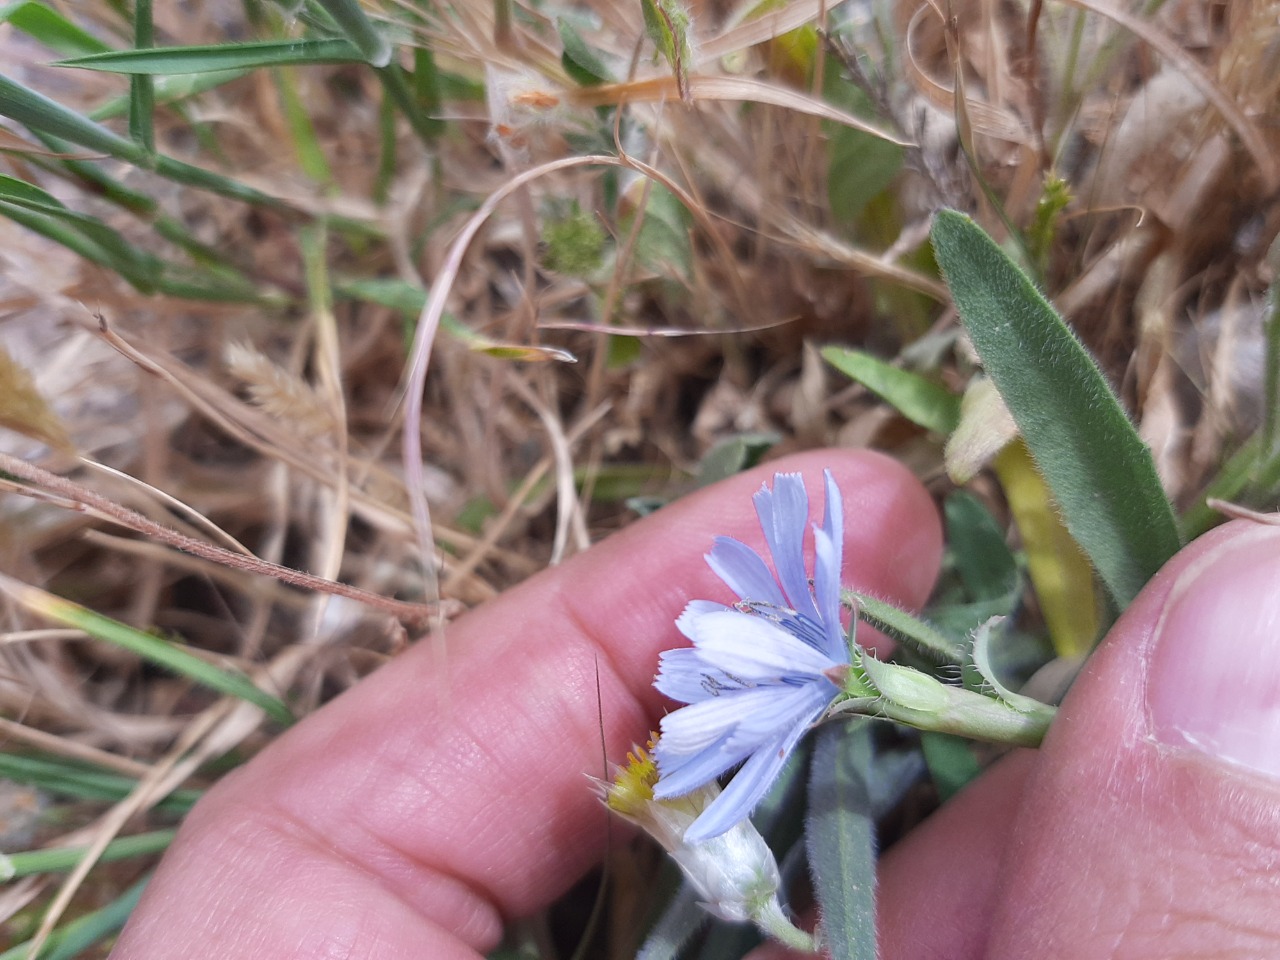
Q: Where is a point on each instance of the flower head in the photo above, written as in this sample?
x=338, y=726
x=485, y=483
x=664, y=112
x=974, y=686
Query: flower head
x=759, y=673
x=735, y=875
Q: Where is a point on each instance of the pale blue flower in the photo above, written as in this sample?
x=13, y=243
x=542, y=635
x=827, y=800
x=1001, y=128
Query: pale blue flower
x=759, y=673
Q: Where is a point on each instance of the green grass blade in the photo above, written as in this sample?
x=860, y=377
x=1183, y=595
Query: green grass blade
x=1271, y=376
x=921, y=401
x=83, y=782
x=396, y=85
x=142, y=97
x=50, y=118
x=156, y=650
x=43, y=115
x=43, y=23
x=175, y=61
x=63, y=859
x=169, y=90
x=91, y=178
x=75, y=938
x=348, y=14
x=386, y=149
x=1100, y=472
x=302, y=131
x=15, y=192
x=840, y=838
x=141, y=274
x=100, y=244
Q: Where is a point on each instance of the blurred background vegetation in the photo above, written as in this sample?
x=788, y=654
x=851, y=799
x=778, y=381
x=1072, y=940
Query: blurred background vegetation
x=223, y=225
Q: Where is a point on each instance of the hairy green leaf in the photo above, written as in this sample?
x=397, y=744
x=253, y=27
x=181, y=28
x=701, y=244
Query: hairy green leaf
x=921, y=401
x=1101, y=474
x=840, y=838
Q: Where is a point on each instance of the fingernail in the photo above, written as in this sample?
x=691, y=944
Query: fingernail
x=1214, y=679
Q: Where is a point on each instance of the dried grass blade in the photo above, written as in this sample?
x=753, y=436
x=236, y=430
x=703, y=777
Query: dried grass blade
x=986, y=119
x=1168, y=48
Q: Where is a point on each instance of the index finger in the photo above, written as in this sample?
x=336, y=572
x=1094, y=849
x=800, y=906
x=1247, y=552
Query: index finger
x=444, y=793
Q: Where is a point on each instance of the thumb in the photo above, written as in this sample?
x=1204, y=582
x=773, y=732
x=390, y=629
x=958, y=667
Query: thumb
x=1150, y=828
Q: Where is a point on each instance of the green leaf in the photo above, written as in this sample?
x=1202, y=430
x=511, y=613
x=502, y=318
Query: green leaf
x=733, y=455
x=840, y=837
x=583, y=63
x=82, y=781
x=302, y=131
x=860, y=166
x=172, y=61
x=43, y=23
x=921, y=401
x=98, y=243
x=667, y=24
x=360, y=30
x=409, y=300
x=1100, y=472
x=169, y=90
x=982, y=558
x=982, y=661
x=43, y=115
x=951, y=761
x=427, y=83
x=48, y=118
x=62, y=859
x=142, y=94
x=917, y=634
x=74, y=939
x=92, y=240
x=663, y=243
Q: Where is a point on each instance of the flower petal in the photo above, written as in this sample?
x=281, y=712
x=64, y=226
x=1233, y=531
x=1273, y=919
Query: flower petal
x=784, y=516
x=790, y=706
x=681, y=773
x=748, y=786
x=827, y=594
x=695, y=609
x=743, y=570
x=699, y=725
x=685, y=675
x=833, y=516
x=754, y=649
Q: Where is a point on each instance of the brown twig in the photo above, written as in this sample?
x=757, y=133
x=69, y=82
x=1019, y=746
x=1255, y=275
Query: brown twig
x=415, y=613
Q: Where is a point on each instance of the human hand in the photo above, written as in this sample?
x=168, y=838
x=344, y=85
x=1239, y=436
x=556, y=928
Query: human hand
x=1147, y=826
x=447, y=792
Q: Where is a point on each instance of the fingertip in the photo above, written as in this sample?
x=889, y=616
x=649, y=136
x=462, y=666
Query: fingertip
x=1154, y=809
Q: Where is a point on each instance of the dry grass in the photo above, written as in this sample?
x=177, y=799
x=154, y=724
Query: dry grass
x=281, y=429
